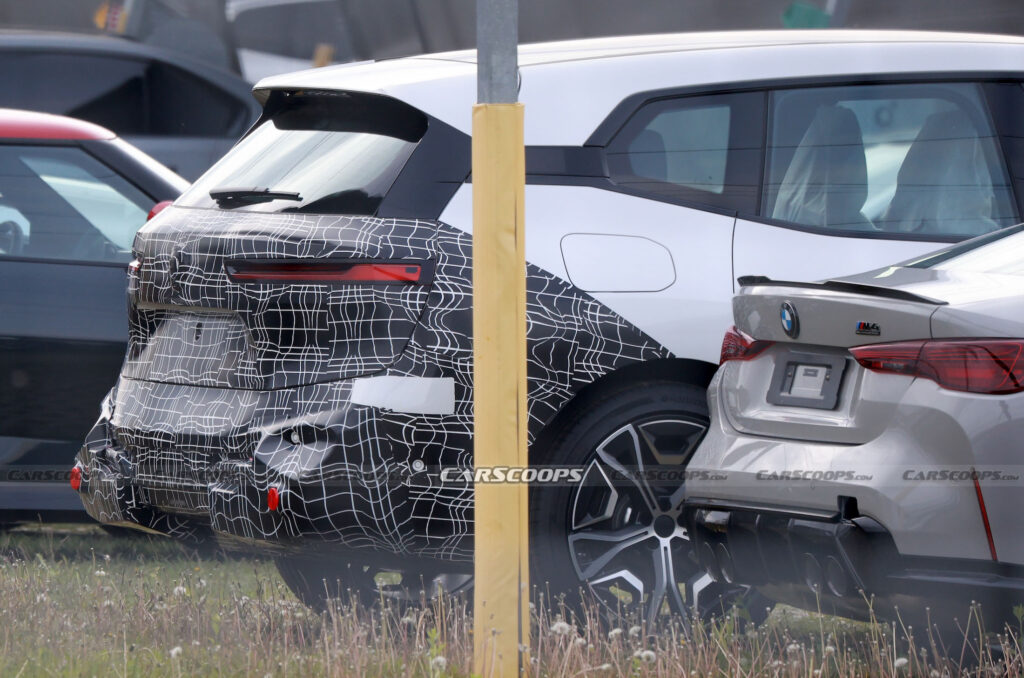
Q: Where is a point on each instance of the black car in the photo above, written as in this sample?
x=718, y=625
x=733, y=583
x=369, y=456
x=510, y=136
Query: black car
x=72, y=196
x=183, y=112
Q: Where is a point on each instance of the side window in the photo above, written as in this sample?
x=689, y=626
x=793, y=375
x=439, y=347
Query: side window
x=61, y=203
x=1006, y=101
x=704, y=149
x=180, y=104
x=126, y=95
x=107, y=91
x=912, y=158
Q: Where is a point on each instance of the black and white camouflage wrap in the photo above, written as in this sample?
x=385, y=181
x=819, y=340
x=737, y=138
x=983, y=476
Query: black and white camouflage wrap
x=230, y=387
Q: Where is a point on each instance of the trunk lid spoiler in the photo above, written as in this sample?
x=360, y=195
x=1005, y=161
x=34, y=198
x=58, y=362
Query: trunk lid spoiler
x=841, y=286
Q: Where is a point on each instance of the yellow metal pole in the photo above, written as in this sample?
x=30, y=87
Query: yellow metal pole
x=501, y=596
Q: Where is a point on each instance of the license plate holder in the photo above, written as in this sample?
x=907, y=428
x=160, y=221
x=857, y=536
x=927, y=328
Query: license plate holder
x=805, y=379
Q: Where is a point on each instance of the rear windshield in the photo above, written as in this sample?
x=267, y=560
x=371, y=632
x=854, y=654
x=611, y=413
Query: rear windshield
x=324, y=153
x=999, y=252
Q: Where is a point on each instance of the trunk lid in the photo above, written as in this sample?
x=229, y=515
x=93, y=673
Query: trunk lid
x=192, y=323
x=833, y=313
x=806, y=386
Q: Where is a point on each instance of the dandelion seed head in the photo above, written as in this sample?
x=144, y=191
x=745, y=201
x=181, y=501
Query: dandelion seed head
x=646, y=656
x=560, y=628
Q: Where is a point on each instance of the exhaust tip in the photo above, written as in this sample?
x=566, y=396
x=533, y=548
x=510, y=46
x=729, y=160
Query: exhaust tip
x=706, y=556
x=812, y=573
x=835, y=577
x=725, y=564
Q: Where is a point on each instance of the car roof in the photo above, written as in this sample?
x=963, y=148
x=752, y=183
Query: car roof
x=629, y=45
x=569, y=87
x=17, y=124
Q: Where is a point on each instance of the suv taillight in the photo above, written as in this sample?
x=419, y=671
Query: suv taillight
x=992, y=366
x=327, y=271
x=737, y=345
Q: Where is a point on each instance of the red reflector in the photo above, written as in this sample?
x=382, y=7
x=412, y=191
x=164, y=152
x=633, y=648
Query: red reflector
x=984, y=516
x=76, y=478
x=324, y=271
x=738, y=345
x=273, y=499
x=992, y=366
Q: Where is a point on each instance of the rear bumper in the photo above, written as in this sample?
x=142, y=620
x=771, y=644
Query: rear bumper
x=189, y=461
x=844, y=563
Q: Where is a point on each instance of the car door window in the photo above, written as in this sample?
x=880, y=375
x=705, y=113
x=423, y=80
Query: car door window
x=181, y=104
x=130, y=96
x=902, y=159
x=60, y=203
x=703, y=149
x=107, y=91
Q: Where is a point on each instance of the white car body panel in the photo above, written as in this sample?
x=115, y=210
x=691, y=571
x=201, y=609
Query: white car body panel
x=700, y=243
x=617, y=263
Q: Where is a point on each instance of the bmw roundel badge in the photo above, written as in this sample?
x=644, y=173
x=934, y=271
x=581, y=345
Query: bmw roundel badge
x=790, y=320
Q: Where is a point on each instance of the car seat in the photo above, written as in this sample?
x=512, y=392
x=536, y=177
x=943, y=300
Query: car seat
x=943, y=186
x=826, y=183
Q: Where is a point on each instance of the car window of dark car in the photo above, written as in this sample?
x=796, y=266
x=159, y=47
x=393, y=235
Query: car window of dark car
x=60, y=203
x=180, y=104
x=890, y=158
x=106, y=91
x=705, y=149
x=129, y=96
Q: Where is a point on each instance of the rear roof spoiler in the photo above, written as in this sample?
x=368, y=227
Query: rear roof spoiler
x=839, y=286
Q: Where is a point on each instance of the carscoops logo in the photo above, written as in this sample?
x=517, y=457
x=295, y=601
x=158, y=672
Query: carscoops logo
x=511, y=474
x=799, y=474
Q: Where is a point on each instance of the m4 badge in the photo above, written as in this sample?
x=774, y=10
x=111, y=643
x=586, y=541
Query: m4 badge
x=868, y=329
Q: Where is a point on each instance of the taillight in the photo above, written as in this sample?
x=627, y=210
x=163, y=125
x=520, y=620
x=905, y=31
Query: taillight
x=737, y=345
x=327, y=271
x=158, y=208
x=991, y=366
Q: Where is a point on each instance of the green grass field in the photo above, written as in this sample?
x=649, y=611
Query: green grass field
x=76, y=601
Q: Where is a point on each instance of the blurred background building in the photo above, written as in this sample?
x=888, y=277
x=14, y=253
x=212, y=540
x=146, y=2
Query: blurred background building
x=260, y=37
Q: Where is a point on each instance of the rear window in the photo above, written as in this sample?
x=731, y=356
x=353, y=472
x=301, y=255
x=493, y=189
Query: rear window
x=999, y=252
x=325, y=153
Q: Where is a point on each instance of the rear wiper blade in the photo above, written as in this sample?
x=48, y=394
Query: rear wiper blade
x=236, y=197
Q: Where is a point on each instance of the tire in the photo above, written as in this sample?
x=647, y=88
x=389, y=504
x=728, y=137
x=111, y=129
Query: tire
x=621, y=541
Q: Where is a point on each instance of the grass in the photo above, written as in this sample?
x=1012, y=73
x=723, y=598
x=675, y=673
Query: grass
x=77, y=602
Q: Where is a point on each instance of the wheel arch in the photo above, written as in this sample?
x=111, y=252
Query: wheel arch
x=679, y=370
